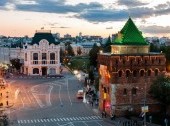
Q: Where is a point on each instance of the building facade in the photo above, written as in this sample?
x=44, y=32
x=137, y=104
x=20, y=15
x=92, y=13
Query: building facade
x=42, y=56
x=127, y=72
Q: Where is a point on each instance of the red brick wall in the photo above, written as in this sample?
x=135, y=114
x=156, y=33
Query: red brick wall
x=145, y=62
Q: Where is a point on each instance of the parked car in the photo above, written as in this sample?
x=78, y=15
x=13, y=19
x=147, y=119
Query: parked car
x=80, y=94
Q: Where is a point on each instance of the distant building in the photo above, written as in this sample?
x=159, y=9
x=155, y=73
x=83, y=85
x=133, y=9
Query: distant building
x=42, y=55
x=127, y=72
x=67, y=36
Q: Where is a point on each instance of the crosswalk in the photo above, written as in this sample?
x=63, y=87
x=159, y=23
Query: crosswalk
x=68, y=119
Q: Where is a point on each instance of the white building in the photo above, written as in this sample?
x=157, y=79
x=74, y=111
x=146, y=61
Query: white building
x=42, y=56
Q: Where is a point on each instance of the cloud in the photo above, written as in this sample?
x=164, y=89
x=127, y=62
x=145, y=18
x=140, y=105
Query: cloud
x=109, y=27
x=99, y=15
x=57, y=7
x=157, y=29
x=60, y=27
x=131, y=3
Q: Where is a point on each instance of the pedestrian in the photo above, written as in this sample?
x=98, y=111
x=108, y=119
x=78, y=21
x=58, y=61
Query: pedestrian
x=92, y=103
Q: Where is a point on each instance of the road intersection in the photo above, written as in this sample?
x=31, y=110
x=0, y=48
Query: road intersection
x=50, y=102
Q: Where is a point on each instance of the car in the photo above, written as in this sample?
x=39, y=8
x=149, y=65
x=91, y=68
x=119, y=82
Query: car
x=80, y=94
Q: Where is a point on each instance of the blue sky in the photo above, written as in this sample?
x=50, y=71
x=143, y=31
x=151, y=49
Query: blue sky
x=91, y=17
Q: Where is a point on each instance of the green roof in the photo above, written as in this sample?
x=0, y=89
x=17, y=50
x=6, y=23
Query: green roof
x=130, y=35
x=39, y=36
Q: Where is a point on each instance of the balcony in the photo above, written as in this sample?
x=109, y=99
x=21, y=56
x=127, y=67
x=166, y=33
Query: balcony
x=44, y=62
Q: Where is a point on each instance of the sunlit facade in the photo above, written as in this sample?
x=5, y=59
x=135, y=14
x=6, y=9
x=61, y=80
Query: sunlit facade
x=42, y=56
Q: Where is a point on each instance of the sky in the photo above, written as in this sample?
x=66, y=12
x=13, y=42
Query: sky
x=90, y=17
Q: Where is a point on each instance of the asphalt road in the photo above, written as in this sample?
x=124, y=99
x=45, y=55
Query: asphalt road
x=50, y=102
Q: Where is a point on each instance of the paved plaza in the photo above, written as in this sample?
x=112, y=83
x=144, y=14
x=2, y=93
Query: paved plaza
x=50, y=102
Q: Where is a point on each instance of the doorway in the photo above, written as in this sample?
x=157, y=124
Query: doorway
x=44, y=71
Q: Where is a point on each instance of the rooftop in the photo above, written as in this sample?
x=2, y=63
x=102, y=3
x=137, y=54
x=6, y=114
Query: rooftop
x=130, y=35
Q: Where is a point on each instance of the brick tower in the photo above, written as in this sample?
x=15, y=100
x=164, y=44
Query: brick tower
x=127, y=72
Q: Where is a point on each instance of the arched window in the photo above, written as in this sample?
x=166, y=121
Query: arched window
x=149, y=72
x=142, y=73
x=35, y=71
x=156, y=72
x=124, y=91
x=134, y=73
x=35, y=56
x=134, y=90
x=52, y=56
x=44, y=56
x=120, y=73
x=52, y=71
x=127, y=73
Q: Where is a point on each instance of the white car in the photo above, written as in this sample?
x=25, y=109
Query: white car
x=80, y=94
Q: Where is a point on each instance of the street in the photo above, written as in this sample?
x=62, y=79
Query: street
x=50, y=102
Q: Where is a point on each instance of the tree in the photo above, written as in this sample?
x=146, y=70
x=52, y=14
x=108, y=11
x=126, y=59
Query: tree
x=62, y=55
x=70, y=50
x=16, y=63
x=107, y=46
x=93, y=55
x=79, y=51
x=160, y=90
x=154, y=48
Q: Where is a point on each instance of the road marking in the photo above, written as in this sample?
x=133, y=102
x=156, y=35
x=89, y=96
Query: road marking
x=35, y=121
x=38, y=100
x=68, y=92
x=48, y=97
x=60, y=95
x=68, y=119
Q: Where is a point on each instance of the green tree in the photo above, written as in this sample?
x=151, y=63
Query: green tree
x=16, y=63
x=160, y=90
x=70, y=50
x=62, y=55
x=93, y=55
x=154, y=48
x=107, y=46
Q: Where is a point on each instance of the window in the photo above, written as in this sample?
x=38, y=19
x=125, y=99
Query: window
x=123, y=61
x=149, y=72
x=25, y=56
x=35, y=71
x=127, y=73
x=124, y=91
x=120, y=73
x=35, y=56
x=142, y=73
x=134, y=73
x=44, y=56
x=52, y=56
x=134, y=91
x=156, y=72
x=159, y=61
